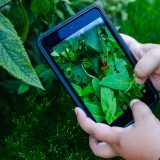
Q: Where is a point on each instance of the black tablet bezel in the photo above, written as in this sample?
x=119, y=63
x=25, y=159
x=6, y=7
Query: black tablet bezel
x=57, y=34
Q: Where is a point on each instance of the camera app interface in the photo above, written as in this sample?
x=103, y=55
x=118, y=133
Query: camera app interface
x=98, y=70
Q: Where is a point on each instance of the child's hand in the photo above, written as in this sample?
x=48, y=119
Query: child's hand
x=148, y=56
x=139, y=141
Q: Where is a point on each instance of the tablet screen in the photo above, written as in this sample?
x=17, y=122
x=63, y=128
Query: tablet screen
x=98, y=70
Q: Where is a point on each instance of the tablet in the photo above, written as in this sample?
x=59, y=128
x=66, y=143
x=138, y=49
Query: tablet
x=92, y=61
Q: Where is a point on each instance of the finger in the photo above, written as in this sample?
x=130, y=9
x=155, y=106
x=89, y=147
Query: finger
x=140, y=110
x=101, y=149
x=155, y=78
x=101, y=131
x=133, y=45
x=148, y=64
x=149, y=46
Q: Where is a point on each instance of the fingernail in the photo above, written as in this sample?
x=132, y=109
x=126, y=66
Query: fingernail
x=133, y=102
x=139, y=81
x=76, y=112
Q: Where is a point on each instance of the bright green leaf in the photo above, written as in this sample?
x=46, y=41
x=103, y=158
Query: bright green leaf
x=96, y=87
x=68, y=8
x=116, y=81
x=96, y=111
x=87, y=90
x=107, y=99
x=13, y=56
x=60, y=14
x=23, y=88
x=77, y=88
x=120, y=66
x=108, y=103
x=3, y=2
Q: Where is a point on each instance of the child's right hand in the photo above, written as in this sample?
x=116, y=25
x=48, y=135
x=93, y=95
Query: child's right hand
x=148, y=57
x=139, y=141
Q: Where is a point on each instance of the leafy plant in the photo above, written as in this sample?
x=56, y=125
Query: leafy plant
x=13, y=56
x=41, y=124
x=110, y=75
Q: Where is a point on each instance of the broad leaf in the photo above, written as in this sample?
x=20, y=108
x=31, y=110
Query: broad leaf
x=19, y=19
x=48, y=75
x=61, y=48
x=108, y=100
x=3, y=2
x=77, y=88
x=74, y=43
x=88, y=90
x=23, y=88
x=108, y=103
x=13, y=56
x=96, y=111
x=116, y=81
x=92, y=40
x=96, y=87
x=120, y=66
x=79, y=75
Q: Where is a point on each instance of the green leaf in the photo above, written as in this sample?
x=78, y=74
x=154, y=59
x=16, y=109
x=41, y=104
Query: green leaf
x=95, y=111
x=107, y=100
x=79, y=75
x=60, y=14
x=74, y=43
x=116, y=81
x=108, y=103
x=23, y=88
x=77, y=88
x=40, y=68
x=120, y=66
x=47, y=75
x=19, y=19
x=96, y=87
x=68, y=8
x=3, y=2
x=13, y=56
x=40, y=7
x=92, y=39
x=87, y=90
x=86, y=99
x=61, y=48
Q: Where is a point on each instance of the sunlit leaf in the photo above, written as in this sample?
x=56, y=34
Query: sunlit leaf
x=96, y=111
x=13, y=56
x=23, y=88
x=116, y=81
x=96, y=87
x=108, y=103
x=77, y=88
x=88, y=90
x=3, y=2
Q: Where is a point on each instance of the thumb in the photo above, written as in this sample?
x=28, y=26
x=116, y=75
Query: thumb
x=140, y=110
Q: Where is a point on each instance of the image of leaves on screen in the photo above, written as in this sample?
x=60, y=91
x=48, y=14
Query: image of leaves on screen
x=99, y=72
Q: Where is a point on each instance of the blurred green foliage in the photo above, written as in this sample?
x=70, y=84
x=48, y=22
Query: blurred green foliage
x=41, y=125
